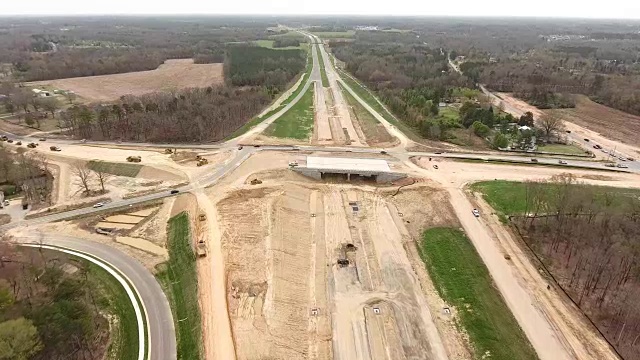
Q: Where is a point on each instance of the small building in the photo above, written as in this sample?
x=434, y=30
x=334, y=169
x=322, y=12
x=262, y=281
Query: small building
x=319, y=167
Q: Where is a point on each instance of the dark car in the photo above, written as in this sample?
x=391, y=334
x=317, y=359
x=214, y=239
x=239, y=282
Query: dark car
x=587, y=140
x=175, y=191
x=383, y=152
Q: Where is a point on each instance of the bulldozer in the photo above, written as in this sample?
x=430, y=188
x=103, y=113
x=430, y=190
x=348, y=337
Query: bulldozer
x=135, y=159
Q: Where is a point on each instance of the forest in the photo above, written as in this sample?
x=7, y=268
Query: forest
x=46, y=310
x=258, y=66
x=107, y=45
x=193, y=115
x=411, y=78
x=587, y=237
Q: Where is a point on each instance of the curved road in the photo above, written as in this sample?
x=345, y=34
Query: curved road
x=162, y=339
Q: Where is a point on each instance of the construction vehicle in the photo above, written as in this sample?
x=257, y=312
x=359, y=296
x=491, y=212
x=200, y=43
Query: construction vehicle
x=4, y=138
x=202, y=217
x=293, y=164
x=54, y=148
x=31, y=145
x=168, y=151
x=201, y=248
x=201, y=161
x=135, y=159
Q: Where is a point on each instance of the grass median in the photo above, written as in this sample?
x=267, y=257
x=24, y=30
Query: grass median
x=112, y=297
x=179, y=280
x=323, y=71
x=297, y=123
x=463, y=280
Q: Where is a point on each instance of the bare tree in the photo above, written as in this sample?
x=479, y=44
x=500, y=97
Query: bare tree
x=83, y=176
x=50, y=105
x=551, y=124
x=102, y=176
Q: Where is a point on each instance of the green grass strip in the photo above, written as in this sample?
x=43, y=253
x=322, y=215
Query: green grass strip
x=510, y=197
x=179, y=280
x=113, y=297
x=323, y=72
x=118, y=169
x=463, y=280
x=297, y=123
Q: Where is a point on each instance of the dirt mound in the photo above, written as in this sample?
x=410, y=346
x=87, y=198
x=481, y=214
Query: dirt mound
x=150, y=172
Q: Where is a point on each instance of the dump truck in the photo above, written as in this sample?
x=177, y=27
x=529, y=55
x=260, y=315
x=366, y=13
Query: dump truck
x=54, y=148
x=136, y=159
x=201, y=248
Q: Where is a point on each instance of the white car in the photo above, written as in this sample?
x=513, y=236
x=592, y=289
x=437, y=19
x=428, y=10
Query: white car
x=98, y=205
x=562, y=162
x=622, y=166
x=476, y=213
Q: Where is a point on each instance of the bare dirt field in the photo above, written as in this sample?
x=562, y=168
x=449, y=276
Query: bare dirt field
x=289, y=298
x=172, y=75
x=609, y=122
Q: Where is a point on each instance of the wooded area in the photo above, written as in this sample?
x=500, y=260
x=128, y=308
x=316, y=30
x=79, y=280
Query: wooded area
x=28, y=173
x=46, y=310
x=194, y=115
x=259, y=66
x=70, y=47
x=408, y=76
x=587, y=236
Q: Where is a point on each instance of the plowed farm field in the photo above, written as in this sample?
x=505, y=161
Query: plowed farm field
x=610, y=123
x=172, y=75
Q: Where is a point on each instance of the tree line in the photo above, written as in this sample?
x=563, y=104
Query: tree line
x=47, y=312
x=192, y=115
x=587, y=236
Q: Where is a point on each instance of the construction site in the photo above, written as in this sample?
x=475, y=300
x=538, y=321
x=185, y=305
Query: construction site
x=320, y=271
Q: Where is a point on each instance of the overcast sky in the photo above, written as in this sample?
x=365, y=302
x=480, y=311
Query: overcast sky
x=626, y=9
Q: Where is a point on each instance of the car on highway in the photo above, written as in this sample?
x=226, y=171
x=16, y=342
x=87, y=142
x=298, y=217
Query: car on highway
x=609, y=165
x=98, y=205
x=383, y=152
x=562, y=162
x=622, y=166
x=43, y=139
x=475, y=212
x=174, y=191
x=534, y=160
x=596, y=146
x=631, y=159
